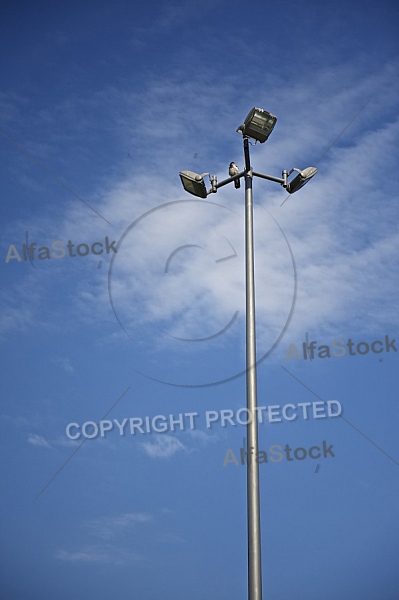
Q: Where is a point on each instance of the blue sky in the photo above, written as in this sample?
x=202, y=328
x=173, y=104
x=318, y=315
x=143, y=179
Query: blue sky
x=101, y=106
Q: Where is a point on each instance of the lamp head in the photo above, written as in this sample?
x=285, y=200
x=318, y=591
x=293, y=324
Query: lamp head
x=258, y=125
x=301, y=179
x=194, y=183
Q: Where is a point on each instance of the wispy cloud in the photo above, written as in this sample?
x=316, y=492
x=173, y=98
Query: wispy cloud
x=65, y=364
x=108, y=528
x=342, y=223
x=202, y=437
x=60, y=441
x=113, y=546
x=15, y=319
x=163, y=446
x=38, y=440
x=100, y=553
x=328, y=224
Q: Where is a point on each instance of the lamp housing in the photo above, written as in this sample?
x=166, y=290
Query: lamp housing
x=301, y=179
x=258, y=125
x=193, y=183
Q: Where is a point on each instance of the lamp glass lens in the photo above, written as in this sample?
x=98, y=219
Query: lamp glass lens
x=190, y=186
x=263, y=121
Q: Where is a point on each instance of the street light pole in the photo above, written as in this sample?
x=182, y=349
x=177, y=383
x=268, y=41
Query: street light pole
x=258, y=125
x=253, y=497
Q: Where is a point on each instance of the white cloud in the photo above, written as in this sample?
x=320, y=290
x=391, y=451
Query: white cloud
x=38, y=440
x=60, y=441
x=100, y=553
x=203, y=437
x=15, y=319
x=340, y=227
x=66, y=364
x=108, y=528
x=163, y=446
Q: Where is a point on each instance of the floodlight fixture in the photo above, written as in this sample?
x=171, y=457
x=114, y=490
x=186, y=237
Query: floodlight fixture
x=301, y=179
x=258, y=125
x=194, y=183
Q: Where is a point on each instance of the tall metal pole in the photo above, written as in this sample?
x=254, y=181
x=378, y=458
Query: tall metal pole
x=253, y=501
